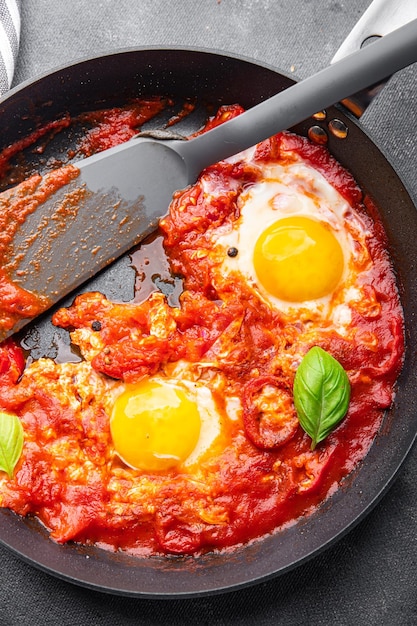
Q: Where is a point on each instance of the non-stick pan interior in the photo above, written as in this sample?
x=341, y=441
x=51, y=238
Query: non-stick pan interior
x=210, y=80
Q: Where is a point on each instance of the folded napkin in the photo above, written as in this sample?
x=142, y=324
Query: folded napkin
x=9, y=41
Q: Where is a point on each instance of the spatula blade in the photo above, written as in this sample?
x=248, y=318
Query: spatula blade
x=119, y=201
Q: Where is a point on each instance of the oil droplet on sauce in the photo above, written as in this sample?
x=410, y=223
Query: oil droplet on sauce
x=153, y=272
x=338, y=129
x=318, y=135
x=47, y=341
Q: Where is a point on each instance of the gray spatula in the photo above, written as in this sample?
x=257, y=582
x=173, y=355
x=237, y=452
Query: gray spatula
x=129, y=187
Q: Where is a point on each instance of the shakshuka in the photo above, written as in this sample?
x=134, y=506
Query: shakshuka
x=201, y=422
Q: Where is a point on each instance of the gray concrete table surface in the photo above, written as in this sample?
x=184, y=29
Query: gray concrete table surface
x=369, y=577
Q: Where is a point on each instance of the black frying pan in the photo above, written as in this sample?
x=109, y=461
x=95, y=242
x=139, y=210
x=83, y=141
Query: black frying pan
x=213, y=79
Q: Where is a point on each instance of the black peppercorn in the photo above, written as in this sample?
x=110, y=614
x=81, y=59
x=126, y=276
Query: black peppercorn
x=96, y=326
x=233, y=252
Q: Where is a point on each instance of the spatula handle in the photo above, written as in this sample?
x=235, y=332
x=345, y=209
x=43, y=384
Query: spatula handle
x=379, y=19
x=361, y=69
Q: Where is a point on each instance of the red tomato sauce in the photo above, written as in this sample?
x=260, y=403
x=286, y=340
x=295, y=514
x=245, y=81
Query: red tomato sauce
x=111, y=127
x=270, y=476
x=16, y=148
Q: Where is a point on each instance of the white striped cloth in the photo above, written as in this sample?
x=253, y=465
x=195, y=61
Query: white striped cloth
x=9, y=41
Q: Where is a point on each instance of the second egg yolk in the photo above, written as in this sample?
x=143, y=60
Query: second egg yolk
x=154, y=426
x=298, y=259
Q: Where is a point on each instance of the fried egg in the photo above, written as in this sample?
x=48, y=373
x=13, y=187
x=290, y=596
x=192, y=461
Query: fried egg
x=161, y=423
x=156, y=424
x=297, y=242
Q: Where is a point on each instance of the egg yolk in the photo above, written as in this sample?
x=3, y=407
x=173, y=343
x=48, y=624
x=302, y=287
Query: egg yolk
x=154, y=426
x=298, y=259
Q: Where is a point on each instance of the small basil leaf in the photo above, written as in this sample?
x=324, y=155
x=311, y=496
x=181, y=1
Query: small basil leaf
x=11, y=442
x=321, y=394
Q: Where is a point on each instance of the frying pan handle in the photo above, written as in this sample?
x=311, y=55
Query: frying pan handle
x=380, y=18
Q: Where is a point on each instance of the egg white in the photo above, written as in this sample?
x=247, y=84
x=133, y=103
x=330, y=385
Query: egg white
x=211, y=420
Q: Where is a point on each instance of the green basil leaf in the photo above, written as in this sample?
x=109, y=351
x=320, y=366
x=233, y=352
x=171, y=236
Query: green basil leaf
x=321, y=394
x=11, y=442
